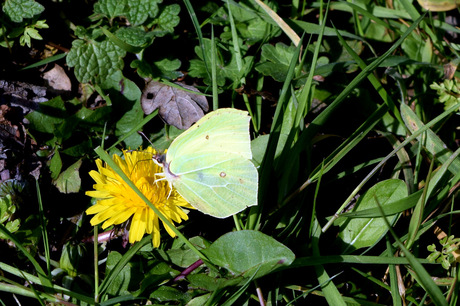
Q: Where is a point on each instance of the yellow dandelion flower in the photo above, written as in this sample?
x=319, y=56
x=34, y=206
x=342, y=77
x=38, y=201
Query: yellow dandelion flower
x=117, y=202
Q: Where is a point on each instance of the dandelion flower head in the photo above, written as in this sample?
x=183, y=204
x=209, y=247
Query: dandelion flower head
x=117, y=202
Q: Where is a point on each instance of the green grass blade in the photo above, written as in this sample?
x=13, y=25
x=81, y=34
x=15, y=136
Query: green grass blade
x=422, y=276
x=331, y=293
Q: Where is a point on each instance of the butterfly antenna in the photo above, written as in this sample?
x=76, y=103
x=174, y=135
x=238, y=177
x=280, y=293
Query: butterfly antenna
x=142, y=133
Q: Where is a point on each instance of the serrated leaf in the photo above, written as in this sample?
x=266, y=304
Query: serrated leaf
x=120, y=43
x=364, y=232
x=249, y=252
x=167, y=20
x=135, y=36
x=95, y=61
x=69, y=181
x=17, y=10
x=33, y=33
x=249, y=21
x=227, y=68
x=140, y=10
x=111, y=8
x=275, y=61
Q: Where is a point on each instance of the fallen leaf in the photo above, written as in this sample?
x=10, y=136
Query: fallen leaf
x=176, y=107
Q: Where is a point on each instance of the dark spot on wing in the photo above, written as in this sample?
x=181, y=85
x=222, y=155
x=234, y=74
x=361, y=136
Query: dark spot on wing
x=223, y=174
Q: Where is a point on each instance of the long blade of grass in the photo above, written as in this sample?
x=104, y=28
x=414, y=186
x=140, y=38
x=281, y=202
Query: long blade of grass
x=46, y=245
x=36, y=280
x=321, y=119
x=331, y=293
x=395, y=296
x=423, y=277
x=44, y=280
x=120, y=265
x=281, y=23
x=432, y=143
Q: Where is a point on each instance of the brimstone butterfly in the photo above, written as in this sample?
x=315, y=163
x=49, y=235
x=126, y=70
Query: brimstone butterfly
x=210, y=164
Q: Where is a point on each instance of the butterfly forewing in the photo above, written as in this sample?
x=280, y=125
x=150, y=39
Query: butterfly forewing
x=224, y=130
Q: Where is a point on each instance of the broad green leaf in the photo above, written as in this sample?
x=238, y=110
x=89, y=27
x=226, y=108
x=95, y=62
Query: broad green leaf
x=48, y=116
x=135, y=36
x=111, y=8
x=388, y=210
x=166, y=293
x=275, y=61
x=55, y=165
x=140, y=10
x=125, y=96
x=167, y=20
x=120, y=282
x=95, y=61
x=168, y=68
x=120, y=43
x=364, y=232
x=181, y=255
x=416, y=47
x=17, y=10
x=79, y=149
x=212, y=283
x=247, y=252
x=70, y=258
x=69, y=180
x=159, y=273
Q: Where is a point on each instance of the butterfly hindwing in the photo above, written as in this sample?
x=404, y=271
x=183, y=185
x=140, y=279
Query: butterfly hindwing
x=216, y=187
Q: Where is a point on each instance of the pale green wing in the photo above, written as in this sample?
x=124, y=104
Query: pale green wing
x=218, y=185
x=224, y=130
x=209, y=164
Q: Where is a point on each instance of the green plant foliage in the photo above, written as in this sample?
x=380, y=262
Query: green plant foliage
x=69, y=180
x=448, y=91
x=356, y=153
x=17, y=10
x=95, y=61
x=275, y=60
x=365, y=232
x=227, y=68
x=446, y=256
x=7, y=210
x=249, y=253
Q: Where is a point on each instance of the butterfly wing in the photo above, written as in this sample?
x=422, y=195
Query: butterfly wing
x=210, y=166
x=225, y=130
